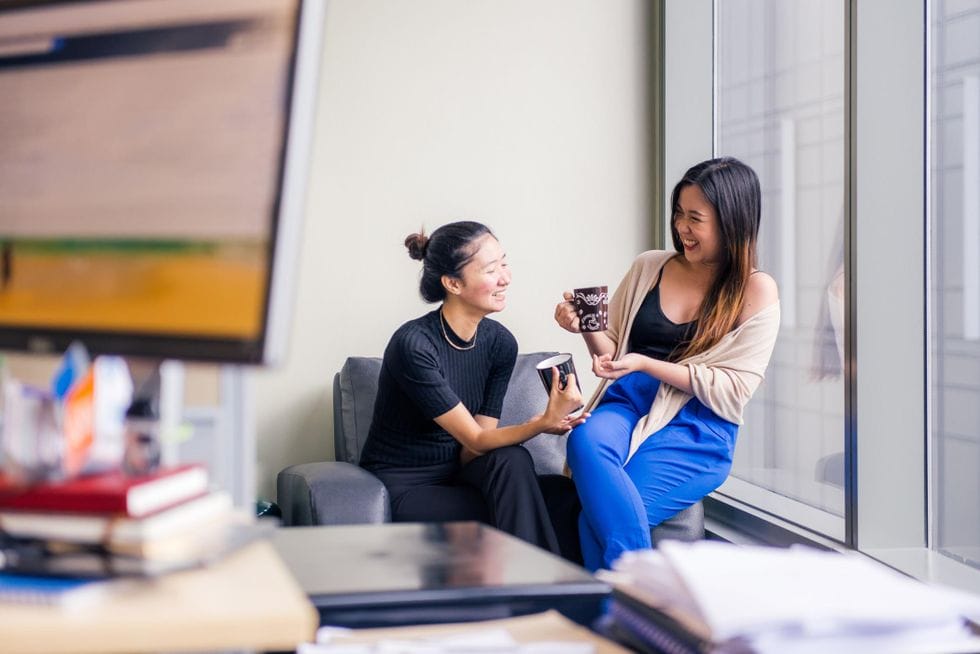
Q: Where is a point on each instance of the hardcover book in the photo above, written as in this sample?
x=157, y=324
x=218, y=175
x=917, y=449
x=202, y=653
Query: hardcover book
x=111, y=492
x=114, y=530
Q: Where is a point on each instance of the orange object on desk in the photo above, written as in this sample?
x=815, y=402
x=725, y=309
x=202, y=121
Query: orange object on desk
x=79, y=423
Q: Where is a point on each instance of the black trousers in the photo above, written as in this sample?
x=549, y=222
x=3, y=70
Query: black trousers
x=499, y=488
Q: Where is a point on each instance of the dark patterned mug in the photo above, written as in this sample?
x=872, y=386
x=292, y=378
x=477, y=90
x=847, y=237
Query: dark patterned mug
x=592, y=307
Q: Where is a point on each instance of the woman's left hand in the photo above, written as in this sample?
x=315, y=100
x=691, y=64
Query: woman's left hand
x=568, y=423
x=608, y=368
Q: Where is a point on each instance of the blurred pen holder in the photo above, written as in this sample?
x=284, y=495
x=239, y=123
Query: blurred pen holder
x=141, y=453
x=51, y=437
x=32, y=441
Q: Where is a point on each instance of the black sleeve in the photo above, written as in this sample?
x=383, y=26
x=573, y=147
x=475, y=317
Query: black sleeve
x=415, y=366
x=501, y=368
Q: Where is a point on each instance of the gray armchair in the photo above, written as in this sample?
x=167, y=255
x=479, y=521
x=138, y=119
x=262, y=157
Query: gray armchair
x=340, y=492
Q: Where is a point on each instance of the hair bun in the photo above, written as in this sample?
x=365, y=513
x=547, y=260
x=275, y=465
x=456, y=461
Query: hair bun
x=417, y=245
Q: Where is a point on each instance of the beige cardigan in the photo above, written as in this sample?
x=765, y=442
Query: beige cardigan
x=723, y=377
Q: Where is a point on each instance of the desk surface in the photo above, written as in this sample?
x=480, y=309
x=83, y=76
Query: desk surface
x=549, y=627
x=446, y=572
x=248, y=600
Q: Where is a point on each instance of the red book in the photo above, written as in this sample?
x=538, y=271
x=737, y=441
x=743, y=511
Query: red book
x=110, y=492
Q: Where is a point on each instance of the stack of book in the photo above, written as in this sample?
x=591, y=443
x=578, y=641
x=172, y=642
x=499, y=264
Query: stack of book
x=712, y=596
x=111, y=524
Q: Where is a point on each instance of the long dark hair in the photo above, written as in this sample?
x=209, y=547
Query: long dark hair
x=445, y=252
x=732, y=188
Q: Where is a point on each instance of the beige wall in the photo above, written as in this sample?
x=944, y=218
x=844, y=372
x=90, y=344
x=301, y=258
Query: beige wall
x=528, y=115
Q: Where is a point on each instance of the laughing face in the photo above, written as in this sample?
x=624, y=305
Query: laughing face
x=486, y=276
x=696, y=222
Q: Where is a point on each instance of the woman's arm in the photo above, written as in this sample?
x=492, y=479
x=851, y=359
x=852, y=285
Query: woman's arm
x=607, y=342
x=486, y=422
x=480, y=434
x=675, y=374
x=567, y=318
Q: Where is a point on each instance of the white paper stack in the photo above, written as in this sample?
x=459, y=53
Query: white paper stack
x=798, y=599
x=548, y=632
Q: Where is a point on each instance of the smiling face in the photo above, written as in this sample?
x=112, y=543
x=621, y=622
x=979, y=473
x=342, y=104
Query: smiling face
x=695, y=221
x=483, y=281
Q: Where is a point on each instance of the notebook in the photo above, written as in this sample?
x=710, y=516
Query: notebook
x=63, y=592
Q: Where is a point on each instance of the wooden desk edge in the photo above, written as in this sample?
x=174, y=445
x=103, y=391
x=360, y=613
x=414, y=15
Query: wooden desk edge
x=248, y=600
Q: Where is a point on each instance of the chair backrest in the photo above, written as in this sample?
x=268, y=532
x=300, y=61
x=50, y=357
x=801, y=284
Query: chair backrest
x=356, y=386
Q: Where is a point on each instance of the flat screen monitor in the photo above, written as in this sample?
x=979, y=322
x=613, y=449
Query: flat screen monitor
x=153, y=161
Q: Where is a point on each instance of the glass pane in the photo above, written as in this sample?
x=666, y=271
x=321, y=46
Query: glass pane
x=955, y=221
x=780, y=108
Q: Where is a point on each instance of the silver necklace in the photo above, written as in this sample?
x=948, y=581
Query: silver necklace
x=445, y=335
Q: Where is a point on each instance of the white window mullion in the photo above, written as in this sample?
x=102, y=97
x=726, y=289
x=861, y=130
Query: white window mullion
x=787, y=221
x=971, y=208
x=888, y=303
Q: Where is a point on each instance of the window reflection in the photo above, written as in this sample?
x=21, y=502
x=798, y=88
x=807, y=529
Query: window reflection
x=780, y=108
x=955, y=227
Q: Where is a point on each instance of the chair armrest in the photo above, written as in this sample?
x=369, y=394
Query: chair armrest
x=331, y=493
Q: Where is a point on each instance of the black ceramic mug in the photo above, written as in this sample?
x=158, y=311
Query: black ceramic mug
x=565, y=367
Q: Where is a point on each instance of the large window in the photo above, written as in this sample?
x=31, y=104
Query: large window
x=862, y=118
x=779, y=106
x=955, y=228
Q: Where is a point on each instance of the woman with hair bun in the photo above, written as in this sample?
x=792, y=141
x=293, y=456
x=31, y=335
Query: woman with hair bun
x=434, y=440
x=690, y=335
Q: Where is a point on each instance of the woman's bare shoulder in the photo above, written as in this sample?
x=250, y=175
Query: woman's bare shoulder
x=760, y=292
x=653, y=258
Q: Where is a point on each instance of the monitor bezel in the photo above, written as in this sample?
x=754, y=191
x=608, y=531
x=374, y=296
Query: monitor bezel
x=269, y=347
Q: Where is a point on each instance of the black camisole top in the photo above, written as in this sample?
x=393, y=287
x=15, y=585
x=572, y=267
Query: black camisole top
x=653, y=334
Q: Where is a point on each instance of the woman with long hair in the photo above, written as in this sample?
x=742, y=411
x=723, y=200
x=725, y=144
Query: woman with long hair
x=434, y=440
x=690, y=335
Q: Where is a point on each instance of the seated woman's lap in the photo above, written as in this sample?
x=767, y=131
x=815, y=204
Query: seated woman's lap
x=467, y=492
x=430, y=493
x=671, y=470
x=506, y=479
x=603, y=440
x=609, y=428
x=683, y=462
x=439, y=503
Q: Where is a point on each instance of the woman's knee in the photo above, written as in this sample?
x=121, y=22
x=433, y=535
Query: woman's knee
x=511, y=458
x=579, y=446
x=600, y=438
x=634, y=391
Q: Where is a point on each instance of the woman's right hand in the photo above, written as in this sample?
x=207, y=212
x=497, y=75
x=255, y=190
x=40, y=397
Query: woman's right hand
x=561, y=403
x=566, y=316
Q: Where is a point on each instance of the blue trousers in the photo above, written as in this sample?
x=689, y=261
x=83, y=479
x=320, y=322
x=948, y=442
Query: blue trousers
x=673, y=468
